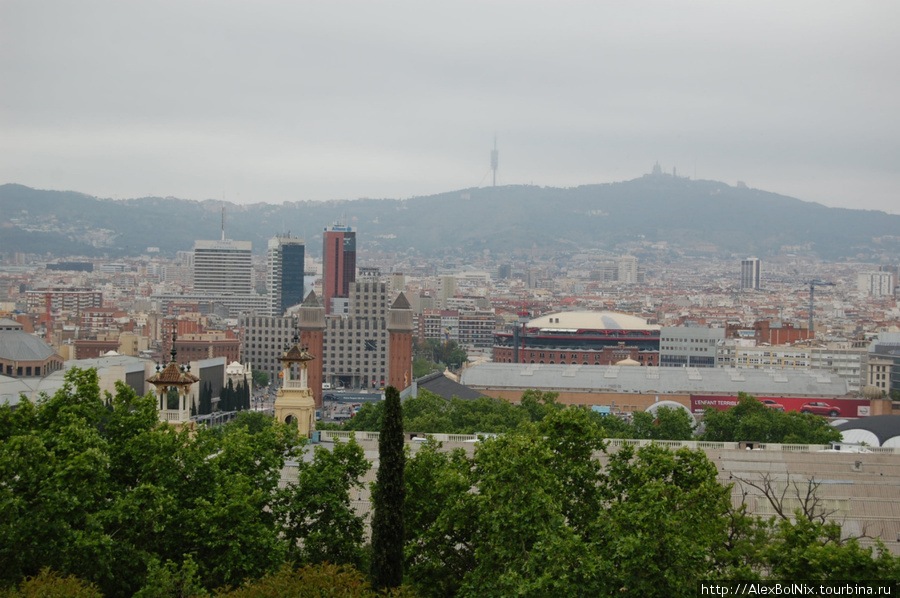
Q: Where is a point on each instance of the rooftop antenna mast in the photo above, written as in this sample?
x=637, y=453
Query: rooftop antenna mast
x=495, y=160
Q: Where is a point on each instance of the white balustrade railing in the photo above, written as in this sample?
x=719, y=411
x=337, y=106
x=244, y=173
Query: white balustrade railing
x=344, y=436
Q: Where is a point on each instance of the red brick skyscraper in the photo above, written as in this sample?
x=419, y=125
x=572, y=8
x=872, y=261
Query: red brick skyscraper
x=400, y=328
x=338, y=262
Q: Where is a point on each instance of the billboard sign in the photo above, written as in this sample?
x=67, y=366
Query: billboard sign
x=828, y=407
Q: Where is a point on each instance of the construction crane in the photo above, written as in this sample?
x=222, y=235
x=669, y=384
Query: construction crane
x=812, y=290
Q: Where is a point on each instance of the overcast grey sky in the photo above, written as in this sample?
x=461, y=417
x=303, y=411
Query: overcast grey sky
x=271, y=100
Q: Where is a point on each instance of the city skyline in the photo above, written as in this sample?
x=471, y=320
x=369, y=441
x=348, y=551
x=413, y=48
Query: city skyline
x=274, y=101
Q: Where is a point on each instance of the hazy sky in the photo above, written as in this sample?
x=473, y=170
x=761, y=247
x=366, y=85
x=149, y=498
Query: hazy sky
x=269, y=100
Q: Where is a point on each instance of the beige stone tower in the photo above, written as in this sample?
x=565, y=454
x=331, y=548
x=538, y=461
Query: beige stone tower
x=294, y=402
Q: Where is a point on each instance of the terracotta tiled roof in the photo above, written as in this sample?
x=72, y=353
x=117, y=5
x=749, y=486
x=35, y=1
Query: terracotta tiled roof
x=172, y=375
x=295, y=353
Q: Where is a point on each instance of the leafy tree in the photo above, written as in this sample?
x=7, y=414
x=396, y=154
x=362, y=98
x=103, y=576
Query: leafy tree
x=388, y=493
x=175, y=580
x=98, y=488
x=422, y=367
x=368, y=418
x=56, y=467
x=801, y=548
x=312, y=581
x=539, y=403
x=522, y=539
x=485, y=414
x=576, y=441
x=668, y=424
x=321, y=523
x=536, y=513
x=260, y=378
x=50, y=584
x=426, y=412
x=437, y=354
x=665, y=517
x=751, y=420
x=252, y=421
x=440, y=520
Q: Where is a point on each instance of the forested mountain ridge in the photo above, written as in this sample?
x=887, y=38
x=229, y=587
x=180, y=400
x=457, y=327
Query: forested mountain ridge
x=687, y=216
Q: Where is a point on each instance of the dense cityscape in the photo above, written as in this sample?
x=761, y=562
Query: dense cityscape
x=648, y=350
x=449, y=299
x=786, y=312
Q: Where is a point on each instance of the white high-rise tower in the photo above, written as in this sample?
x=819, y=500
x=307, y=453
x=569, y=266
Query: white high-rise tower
x=223, y=267
x=750, y=273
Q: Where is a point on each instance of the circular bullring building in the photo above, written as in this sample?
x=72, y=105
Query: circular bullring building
x=580, y=337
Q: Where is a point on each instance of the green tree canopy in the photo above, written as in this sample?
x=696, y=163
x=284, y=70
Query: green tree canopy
x=100, y=489
x=750, y=420
x=668, y=424
x=536, y=513
x=260, y=378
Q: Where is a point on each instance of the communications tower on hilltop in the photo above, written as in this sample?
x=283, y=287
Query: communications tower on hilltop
x=495, y=160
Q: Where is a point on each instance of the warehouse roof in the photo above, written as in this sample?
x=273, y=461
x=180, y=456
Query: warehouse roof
x=654, y=380
x=17, y=345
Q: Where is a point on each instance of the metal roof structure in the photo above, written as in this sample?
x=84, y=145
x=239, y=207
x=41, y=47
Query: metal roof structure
x=442, y=386
x=12, y=388
x=17, y=345
x=654, y=380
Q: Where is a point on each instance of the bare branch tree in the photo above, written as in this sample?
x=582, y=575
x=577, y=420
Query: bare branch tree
x=807, y=496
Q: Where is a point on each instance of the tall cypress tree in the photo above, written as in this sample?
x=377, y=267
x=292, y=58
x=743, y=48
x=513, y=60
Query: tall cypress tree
x=205, y=398
x=228, y=396
x=388, y=497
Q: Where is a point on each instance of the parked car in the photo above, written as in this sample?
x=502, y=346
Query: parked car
x=820, y=408
x=772, y=404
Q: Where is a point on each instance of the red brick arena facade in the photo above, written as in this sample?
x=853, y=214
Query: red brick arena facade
x=582, y=338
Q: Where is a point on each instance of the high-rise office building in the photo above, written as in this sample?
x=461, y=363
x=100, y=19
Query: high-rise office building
x=627, y=269
x=876, y=284
x=447, y=289
x=338, y=263
x=284, y=273
x=365, y=348
x=223, y=267
x=750, y=273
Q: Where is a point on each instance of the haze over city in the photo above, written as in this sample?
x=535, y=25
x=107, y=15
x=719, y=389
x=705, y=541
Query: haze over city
x=271, y=101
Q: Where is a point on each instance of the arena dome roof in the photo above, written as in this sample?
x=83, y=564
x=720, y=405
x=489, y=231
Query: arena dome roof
x=591, y=320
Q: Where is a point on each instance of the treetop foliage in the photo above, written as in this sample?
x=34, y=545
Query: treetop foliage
x=549, y=511
x=97, y=498
x=750, y=420
x=98, y=488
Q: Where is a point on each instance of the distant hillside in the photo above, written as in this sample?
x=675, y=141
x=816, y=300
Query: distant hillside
x=692, y=217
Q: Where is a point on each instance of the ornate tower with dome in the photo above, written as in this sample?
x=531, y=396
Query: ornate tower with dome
x=294, y=402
